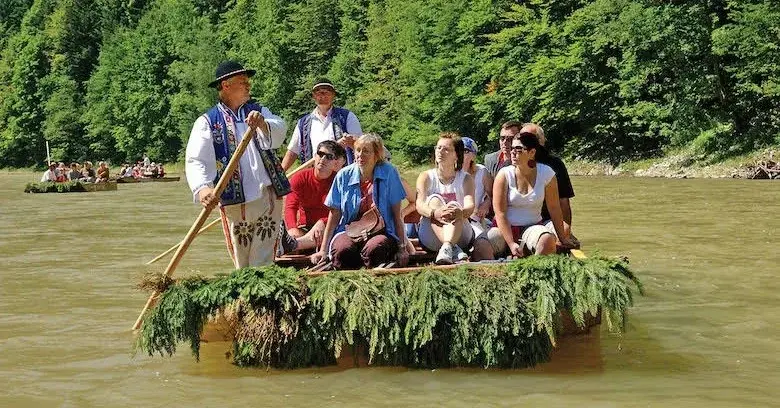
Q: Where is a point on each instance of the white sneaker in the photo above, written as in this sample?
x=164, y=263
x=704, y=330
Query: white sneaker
x=459, y=254
x=444, y=257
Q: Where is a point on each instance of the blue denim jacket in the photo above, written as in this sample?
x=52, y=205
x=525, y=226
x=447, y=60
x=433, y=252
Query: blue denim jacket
x=345, y=196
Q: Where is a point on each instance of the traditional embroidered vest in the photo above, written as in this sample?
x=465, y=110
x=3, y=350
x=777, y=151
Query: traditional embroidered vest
x=225, y=143
x=339, y=122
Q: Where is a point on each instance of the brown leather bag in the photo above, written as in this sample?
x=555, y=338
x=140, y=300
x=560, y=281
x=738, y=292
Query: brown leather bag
x=367, y=226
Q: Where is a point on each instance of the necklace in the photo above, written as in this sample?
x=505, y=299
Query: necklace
x=443, y=180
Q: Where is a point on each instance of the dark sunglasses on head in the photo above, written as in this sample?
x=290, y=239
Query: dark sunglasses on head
x=326, y=155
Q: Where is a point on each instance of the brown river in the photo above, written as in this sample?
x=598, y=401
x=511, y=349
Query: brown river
x=707, y=333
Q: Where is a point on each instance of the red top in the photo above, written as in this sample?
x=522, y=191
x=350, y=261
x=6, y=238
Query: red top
x=367, y=196
x=304, y=205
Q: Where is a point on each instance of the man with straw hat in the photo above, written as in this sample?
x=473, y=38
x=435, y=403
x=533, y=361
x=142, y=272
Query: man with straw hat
x=249, y=206
x=325, y=122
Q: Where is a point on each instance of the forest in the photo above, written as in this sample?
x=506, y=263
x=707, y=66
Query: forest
x=610, y=80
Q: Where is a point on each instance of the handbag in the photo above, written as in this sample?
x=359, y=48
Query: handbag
x=368, y=225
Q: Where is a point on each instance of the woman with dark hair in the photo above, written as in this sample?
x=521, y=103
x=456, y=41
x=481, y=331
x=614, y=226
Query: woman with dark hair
x=445, y=200
x=518, y=194
x=373, y=186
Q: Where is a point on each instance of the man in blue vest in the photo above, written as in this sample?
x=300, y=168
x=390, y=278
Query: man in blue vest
x=325, y=122
x=250, y=206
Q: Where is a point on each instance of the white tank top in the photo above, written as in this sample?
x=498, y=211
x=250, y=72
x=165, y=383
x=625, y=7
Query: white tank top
x=526, y=209
x=450, y=192
x=479, y=187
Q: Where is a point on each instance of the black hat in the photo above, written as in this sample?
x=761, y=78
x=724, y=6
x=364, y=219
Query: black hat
x=227, y=69
x=323, y=82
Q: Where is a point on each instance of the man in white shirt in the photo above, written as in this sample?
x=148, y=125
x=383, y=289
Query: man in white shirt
x=325, y=122
x=50, y=174
x=250, y=208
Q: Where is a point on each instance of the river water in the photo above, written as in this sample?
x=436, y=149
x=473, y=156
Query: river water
x=705, y=335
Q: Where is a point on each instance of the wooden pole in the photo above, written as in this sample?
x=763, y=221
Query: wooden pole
x=48, y=154
x=213, y=223
x=204, y=214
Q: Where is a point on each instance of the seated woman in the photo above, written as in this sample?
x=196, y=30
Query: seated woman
x=367, y=183
x=74, y=173
x=102, y=172
x=518, y=193
x=445, y=200
x=62, y=173
x=88, y=173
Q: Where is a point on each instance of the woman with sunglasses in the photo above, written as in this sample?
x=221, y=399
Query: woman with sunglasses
x=518, y=194
x=367, y=183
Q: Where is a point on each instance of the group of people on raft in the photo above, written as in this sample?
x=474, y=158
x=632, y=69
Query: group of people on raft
x=347, y=208
x=85, y=173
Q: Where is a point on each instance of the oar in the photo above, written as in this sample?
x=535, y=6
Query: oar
x=204, y=214
x=215, y=222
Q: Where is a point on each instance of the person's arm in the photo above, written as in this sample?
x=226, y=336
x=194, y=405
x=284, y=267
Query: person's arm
x=274, y=132
x=411, y=198
x=554, y=208
x=403, y=244
x=292, y=205
x=330, y=227
x=487, y=203
x=293, y=149
x=288, y=160
x=566, y=210
x=468, y=197
x=422, y=196
x=500, y=205
x=200, y=162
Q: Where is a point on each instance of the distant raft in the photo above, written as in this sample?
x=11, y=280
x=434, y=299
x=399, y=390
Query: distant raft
x=69, y=187
x=490, y=315
x=147, y=179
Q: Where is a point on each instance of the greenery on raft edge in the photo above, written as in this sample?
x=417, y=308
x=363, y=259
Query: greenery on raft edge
x=52, y=187
x=484, y=317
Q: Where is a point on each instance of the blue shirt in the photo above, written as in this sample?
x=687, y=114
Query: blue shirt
x=345, y=195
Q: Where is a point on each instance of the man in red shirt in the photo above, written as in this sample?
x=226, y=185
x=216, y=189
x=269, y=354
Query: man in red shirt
x=304, y=212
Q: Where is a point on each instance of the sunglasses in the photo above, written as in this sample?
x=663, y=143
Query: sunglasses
x=326, y=155
x=518, y=149
x=505, y=139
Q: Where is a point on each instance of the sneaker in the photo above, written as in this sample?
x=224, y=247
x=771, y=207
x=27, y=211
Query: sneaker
x=444, y=257
x=288, y=243
x=459, y=254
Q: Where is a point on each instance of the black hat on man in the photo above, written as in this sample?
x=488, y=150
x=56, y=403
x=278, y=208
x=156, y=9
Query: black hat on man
x=323, y=83
x=227, y=69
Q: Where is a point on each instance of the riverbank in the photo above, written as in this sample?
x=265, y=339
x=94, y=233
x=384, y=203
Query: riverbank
x=680, y=164
x=677, y=164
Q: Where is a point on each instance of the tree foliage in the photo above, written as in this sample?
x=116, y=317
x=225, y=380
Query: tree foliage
x=608, y=79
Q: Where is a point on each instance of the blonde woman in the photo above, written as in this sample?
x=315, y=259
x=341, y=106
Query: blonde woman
x=369, y=182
